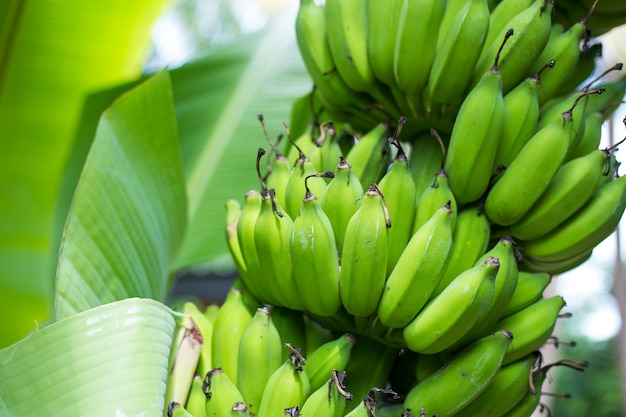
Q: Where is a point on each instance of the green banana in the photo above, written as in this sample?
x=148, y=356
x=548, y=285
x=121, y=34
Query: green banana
x=418, y=270
x=296, y=189
x=469, y=373
x=205, y=327
x=564, y=48
x=500, y=16
x=259, y=355
x=314, y=256
x=451, y=314
x=364, y=257
x=555, y=267
x=521, y=115
x=591, y=137
x=196, y=401
x=347, y=36
x=329, y=400
x=505, y=283
x=315, y=335
x=532, y=326
x=383, y=20
x=572, y=186
x=364, y=408
x=508, y=387
x=426, y=158
x=245, y=235
x=333, y=354
x=475, y=135
x=523, y=182
x=433, y=198
x=399, y=190
x=221, y=393
x=418, y=25
x=287, y=387
x=585, y=229
x=341, y=200
x=311, y=28
x=233, y=212
x=272, y=236
x=532, y=31
x=368, y=155
x=174, y=409
x=230, y=323
x=530, y=287
x=469, y=241
x=459, y=50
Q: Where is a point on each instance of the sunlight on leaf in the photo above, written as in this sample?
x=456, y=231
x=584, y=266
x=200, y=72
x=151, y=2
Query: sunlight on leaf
x=129, y=210
x=108, y=361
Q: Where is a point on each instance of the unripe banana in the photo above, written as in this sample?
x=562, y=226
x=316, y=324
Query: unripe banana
x=334, y=354
x=368, y=155
x=532, y=31
x=563, y=48
x=341, y=200
x=530, y=401
x=416, y=43
x=505, y=284
x=433, y=198
x=287, y=387
x=347, y=37
x=591, y=137
x=174, y=409
x=508, y=387
x=205, y=327
x=221, y=393
x=500, y=16
x=426, y=160
x=469, y=241
x=329, y=400
x=364, y=257
x=311, y=28
x=383, y=17
x=530, y=288
x=314, y=256
x=272, y=237
x=469, y=373
x=523, y=182
x=521, y=115
x=459, y=50
x=230, y=323
x=475, y=135
x=296, y=188
x=245, y=234
x=196, y=401
x=364, y=408
x=418, y=270
x=572, y=186
x=532, y=326
x=555, y=266
x=260, y=354
x=399, y=190
x=450, y=315
x=585, y=229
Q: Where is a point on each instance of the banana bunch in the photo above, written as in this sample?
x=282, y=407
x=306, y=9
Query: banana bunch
x=373, y=61
x=241, y=359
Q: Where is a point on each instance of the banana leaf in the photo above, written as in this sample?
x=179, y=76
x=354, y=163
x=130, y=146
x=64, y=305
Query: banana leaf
x=52, y=54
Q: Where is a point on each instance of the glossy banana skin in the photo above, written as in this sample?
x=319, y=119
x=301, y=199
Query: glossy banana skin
x=590, y=225
x=530, y=287
x=221, y=393
x=469, y=372
x=418, y=270
x=451, y=314
x=364, y=256
x=259, y=355
x=334, y=354
x=315, y=259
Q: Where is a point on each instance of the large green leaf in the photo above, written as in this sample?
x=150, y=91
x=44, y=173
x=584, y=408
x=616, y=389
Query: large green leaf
x=128, y=215
x=108, y=361
x=52, y=54
x=217, y=103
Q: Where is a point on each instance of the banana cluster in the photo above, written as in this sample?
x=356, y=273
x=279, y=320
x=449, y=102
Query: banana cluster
x=247, y=359
x=373, y=61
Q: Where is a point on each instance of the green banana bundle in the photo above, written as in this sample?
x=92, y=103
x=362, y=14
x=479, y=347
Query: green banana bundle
x=377, y=260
